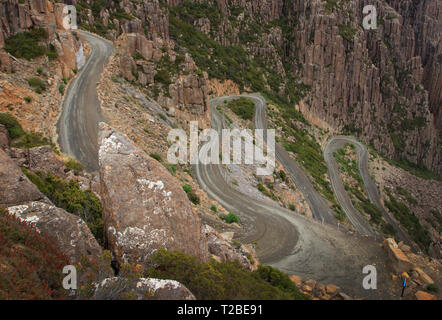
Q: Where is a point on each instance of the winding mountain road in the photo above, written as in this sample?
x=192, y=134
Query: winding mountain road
x=286, y=240
x=333, y=144
x=78, y=123
x=289, y=241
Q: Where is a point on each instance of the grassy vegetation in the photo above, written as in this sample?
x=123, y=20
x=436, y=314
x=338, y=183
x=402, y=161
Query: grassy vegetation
x=242, y=107
x=347, y=32
x=230, y=218
x=227, y=280
x=37, y=84
x=75, y=166
x=193, y=197
x=69, y=196
x=407, y=195
x=26, y=44
x=409, y=221
x=20, y=138
x=349, y=167
x=31, y=266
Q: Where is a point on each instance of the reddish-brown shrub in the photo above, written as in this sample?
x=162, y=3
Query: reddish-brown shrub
x=30, y=265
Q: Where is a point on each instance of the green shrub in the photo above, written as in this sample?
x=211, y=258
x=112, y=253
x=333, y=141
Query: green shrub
x=27, y=99
x=191, y=194
x=242, y=107
x=292, y=207
x=25, y=44
x=52, y=52
x=230, y=218
x=69, y=196
x=432, y=288
x=389, y=229
x=213, y=208
x=31, y=266
x=39, y=70
x=170, y=167
x=12, y=125
x=408, y=220
x=75, y=70
x=61, y=88
x=347, y=32
x=226, y=281
x=187, y=188
x=31, y=140
x=75, y=166
x=156, y=156
x=37, y=84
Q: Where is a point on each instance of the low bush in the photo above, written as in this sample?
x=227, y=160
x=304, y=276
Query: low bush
x=193, y=197
x=69, y=196
x=75, y=166
x=31, y=267
x=37, y=84
x=12, y=125
x=231, y=218
x=227, y=280
x=242, y=107
x=25, y=44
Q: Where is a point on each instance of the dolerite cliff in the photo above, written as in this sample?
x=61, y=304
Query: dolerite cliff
x=24, y=15
x=382, y=85
x=144, y=208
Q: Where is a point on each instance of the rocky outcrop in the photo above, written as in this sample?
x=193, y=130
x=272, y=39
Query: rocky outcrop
x=399, y=262
x=22, y=199
x=222, y=249
x=5, y=62
x=141, y=289
x=15, y=188
x=148, y=209
x=18, y=16
x=185, y=91
x=318, y=291
x=70, y=233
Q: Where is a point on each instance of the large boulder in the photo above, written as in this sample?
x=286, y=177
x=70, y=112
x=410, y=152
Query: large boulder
x=398, y=261
x=21, y=197
x=70, y=233
x=144, y=207
x=142, y=289
x=15, y=188
x=223, y=249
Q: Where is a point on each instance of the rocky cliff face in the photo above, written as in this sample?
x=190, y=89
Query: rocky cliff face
x=147, y=210
x=147, y=56
x=383, y=85
x=17, y=16
x=21, y=198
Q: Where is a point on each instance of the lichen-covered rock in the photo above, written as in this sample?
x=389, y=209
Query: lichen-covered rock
x=141, y=289
x=224, y=250
x=70, y=233
x=15, y=188
x=144, y=208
